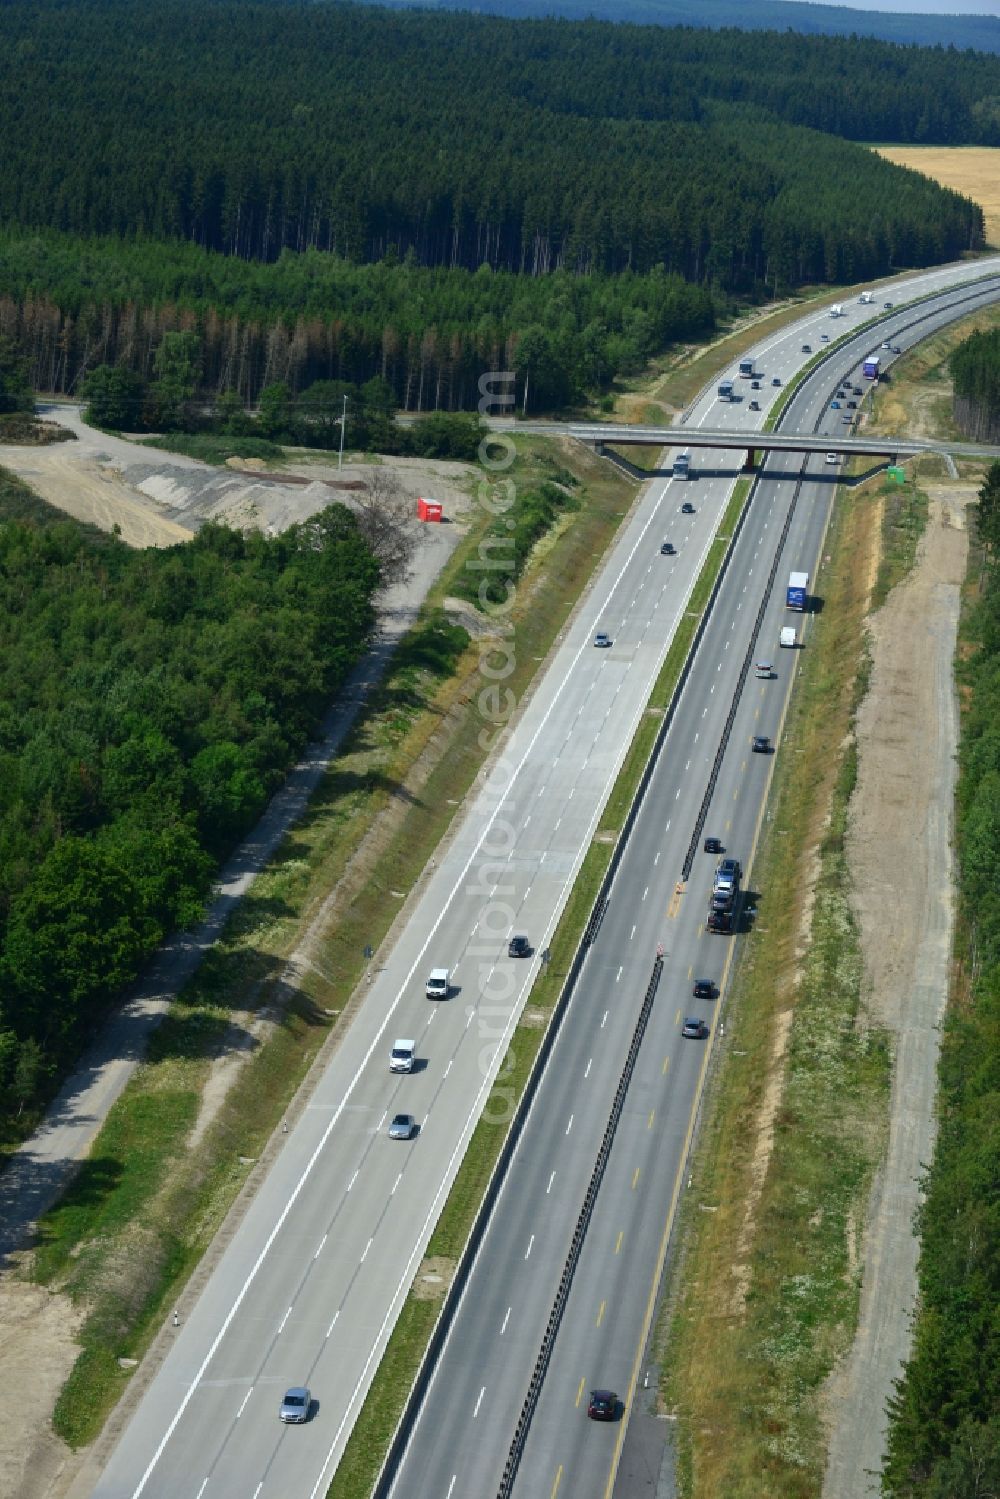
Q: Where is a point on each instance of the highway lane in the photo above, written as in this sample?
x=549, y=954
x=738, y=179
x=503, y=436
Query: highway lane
x=308, y=1289
x=461, y=1439
x=311, y=1282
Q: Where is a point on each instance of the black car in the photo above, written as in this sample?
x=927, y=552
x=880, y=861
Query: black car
x=887, y=306
x=755, y=385
x=694, y=1028
x=807, y=348
x=667, y=549
x=704, y=989
x=760, y=744
x=713, y=845
x=720, y=921
x=857, y=390
x=519, y=947
x=852, y=405
x=602, y=1405
x=687, y=508
x=776, y=380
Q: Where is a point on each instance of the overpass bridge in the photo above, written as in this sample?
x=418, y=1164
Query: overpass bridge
x=871, y=445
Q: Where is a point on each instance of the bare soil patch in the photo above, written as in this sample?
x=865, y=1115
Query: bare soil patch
x=899, y=843
x=37, y=1346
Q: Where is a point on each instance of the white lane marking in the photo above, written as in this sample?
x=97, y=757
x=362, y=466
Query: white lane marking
x=364, y=1254
x=530, y=1242
x=548, y=1189
x=451, y=1062
x=556, y=828
x=588, y=1067
x=618, y=977
x=243, y=1407
x=677, y=795
x=205, y=1486
x=527, y=819
x=667, y=828
x=334, y=1322
x=451, y=1486
x=431, y=1016
x=703, y=712
x=687, y=765
x=285, y=1319
x=357, y=1173
x=645, y=892
x=503, y=1329
x=604, y=1020
x=696, y=738
x=472, y=1016
x=570, y=1124
x=395, y=1184
x=383, y=1119
x=479, y=1402
x=257, y=1490
x=570, y=797
x=657, y=859
x=632, y=932
x=319, y=1250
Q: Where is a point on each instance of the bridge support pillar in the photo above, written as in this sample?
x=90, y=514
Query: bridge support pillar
x=748, y=462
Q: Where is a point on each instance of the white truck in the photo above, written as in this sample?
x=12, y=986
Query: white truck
x=837, y=310
x=867, y=298
x=787, y=637
x=402, y=1055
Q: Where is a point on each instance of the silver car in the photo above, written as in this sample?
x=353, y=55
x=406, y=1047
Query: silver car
x=296, y=1405
x=403, y=1127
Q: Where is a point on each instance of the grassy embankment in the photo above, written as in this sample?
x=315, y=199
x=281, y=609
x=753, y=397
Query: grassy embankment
x=144, y=1208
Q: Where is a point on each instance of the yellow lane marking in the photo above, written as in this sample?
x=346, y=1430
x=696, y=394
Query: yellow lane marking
x=621, y=1235
x=649, y=1121
x=555, y=1486
x=600, y=1314
x=666, y=1063
x=579, y=1394
x=635, y=1179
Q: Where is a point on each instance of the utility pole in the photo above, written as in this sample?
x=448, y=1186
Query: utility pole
x=343, y=429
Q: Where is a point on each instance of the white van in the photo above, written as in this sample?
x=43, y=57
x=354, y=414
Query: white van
x=438, y=984
x=402, y=1055
x=787, y=636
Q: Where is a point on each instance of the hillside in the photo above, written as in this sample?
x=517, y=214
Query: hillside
x=978, y=32
x=459, y=140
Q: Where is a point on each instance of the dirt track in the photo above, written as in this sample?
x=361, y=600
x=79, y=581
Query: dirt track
x=899, y=848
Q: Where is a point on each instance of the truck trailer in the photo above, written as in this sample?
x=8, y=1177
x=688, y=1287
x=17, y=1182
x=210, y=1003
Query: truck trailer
x=725, y=390
x=798, y=585
x=870, y=367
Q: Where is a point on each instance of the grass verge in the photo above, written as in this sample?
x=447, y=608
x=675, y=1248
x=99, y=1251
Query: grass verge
x=796, y=1115
x=213, y=447
x=390, y=1389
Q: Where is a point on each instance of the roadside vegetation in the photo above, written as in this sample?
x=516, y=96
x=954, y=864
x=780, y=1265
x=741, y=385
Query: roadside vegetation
x=765, y=1293
x=152, y=703
x=944, y=1435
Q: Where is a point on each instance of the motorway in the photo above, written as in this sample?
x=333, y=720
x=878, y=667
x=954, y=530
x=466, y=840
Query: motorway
x=463, y=1434
x=309, y=1287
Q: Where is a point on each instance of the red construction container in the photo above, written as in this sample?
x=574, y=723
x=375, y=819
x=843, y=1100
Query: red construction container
x=429, y=510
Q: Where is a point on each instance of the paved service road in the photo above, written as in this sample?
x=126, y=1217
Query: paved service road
x=308, y=1290
x=463, y=1434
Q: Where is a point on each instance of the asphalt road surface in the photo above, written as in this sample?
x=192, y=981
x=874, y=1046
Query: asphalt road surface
x=309, y=1288
x=462, y=1438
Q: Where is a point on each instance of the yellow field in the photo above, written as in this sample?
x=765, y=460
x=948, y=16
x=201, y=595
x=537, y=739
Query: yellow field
x=972, y=170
